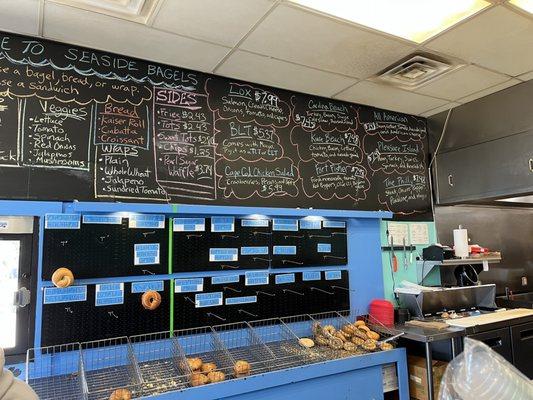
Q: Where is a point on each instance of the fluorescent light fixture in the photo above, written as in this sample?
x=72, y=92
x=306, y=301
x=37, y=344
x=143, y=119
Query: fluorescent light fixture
x=526, y=5
x=415, y=20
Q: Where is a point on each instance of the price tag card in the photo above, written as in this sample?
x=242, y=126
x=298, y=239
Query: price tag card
x=241, y=300
x=333, y=275
x=71, y=294
x=254, y=250
x=188, y=285
x=220, y=280
x=146, y=253
x=306, y=223
x=334, y=224
x=218, y=255
x=102, y=219
x=323, y=248
x=62, y=221
x=285, y=224
x=208, y=299
x=284, y=250
x=255, y=223
x=108, y=294
x=147, y=221
x=188, y=224
x=141, y=287
x=284, y=278
x=398, y=232
x=419, y=233
x=222, y=224
x=311, y=275
x=254, y=278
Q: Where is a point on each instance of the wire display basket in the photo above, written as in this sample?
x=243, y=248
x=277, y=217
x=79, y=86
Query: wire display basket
x=109, y=366
x=159, y=361
x=283, y=343
x=302, y=327
x=248, y=354
x=55, y=372
x=202, y=354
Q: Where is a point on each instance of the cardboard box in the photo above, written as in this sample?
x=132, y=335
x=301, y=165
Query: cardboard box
x=418, y=377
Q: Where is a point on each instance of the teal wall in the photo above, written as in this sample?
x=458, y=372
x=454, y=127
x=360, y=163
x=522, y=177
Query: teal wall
x=410, y=273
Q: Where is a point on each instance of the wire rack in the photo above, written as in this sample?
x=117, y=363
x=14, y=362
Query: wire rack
x=55, y=372
x=109, y=365
x=159, y=362
x=283, y=343
x=242, y=344
x=165, y=361
x=200, y=343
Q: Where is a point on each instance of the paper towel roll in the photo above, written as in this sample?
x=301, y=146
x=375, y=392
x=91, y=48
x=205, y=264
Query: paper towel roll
x=460, y=242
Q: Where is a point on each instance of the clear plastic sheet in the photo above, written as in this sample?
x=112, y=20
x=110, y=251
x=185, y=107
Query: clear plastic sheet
x=479, y=373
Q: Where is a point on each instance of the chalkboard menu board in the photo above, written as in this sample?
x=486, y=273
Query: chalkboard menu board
x=78, y=124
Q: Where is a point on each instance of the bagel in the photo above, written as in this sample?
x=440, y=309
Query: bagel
x=195, y=363
x=120, y=394
x=62, y=277
x=216, y=376
x=208, y=367
x=198, y=379
x=242, y=368
x=151, y=300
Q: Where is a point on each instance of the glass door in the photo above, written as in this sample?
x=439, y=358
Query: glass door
x=17, y=287
x=9, y=285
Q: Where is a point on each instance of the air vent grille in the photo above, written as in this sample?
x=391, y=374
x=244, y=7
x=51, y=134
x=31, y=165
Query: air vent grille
x=133, y=10
x=415, y=71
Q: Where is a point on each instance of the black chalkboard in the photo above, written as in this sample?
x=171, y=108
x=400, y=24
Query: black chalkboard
x=79, y=124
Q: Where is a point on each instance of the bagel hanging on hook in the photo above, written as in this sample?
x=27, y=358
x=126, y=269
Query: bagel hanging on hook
x=62, y=277
x=151, y=300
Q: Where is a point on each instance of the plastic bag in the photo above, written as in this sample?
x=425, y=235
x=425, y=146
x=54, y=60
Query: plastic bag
x=479, y=373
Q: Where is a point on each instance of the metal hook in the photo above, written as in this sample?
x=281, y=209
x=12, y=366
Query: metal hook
x=194, y=235
x=321, y=290
x=69, y=310
x=64, y=242
x=336, y=257
x=291, y=262
x=102, y=238
x=246, y=312
x=262, y=259
x=233, y=290
x=340, y=287
x=265, y=293
x=145, y=271
x=189, y=299
x=320, y=236
x=338, y=233
x=148, y=233
x=209, y=314
x=261, y=233
x=229, y=266
x=230, y=236
x=292, y=291
x=294, y=236
x=112, y=314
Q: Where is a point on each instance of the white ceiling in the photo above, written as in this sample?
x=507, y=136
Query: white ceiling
x=280, y=44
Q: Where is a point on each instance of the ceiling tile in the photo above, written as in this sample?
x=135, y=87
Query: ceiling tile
x=268, y=71
x=437, y=110
x=387, y=97
x=499, y=39
x=462, y=82
x=306, y=38
x=493, y=89
x=526, y=77
x=21, y=16
x=224, y=22
x=64, y=24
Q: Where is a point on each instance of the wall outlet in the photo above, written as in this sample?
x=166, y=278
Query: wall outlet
x=524, y=281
